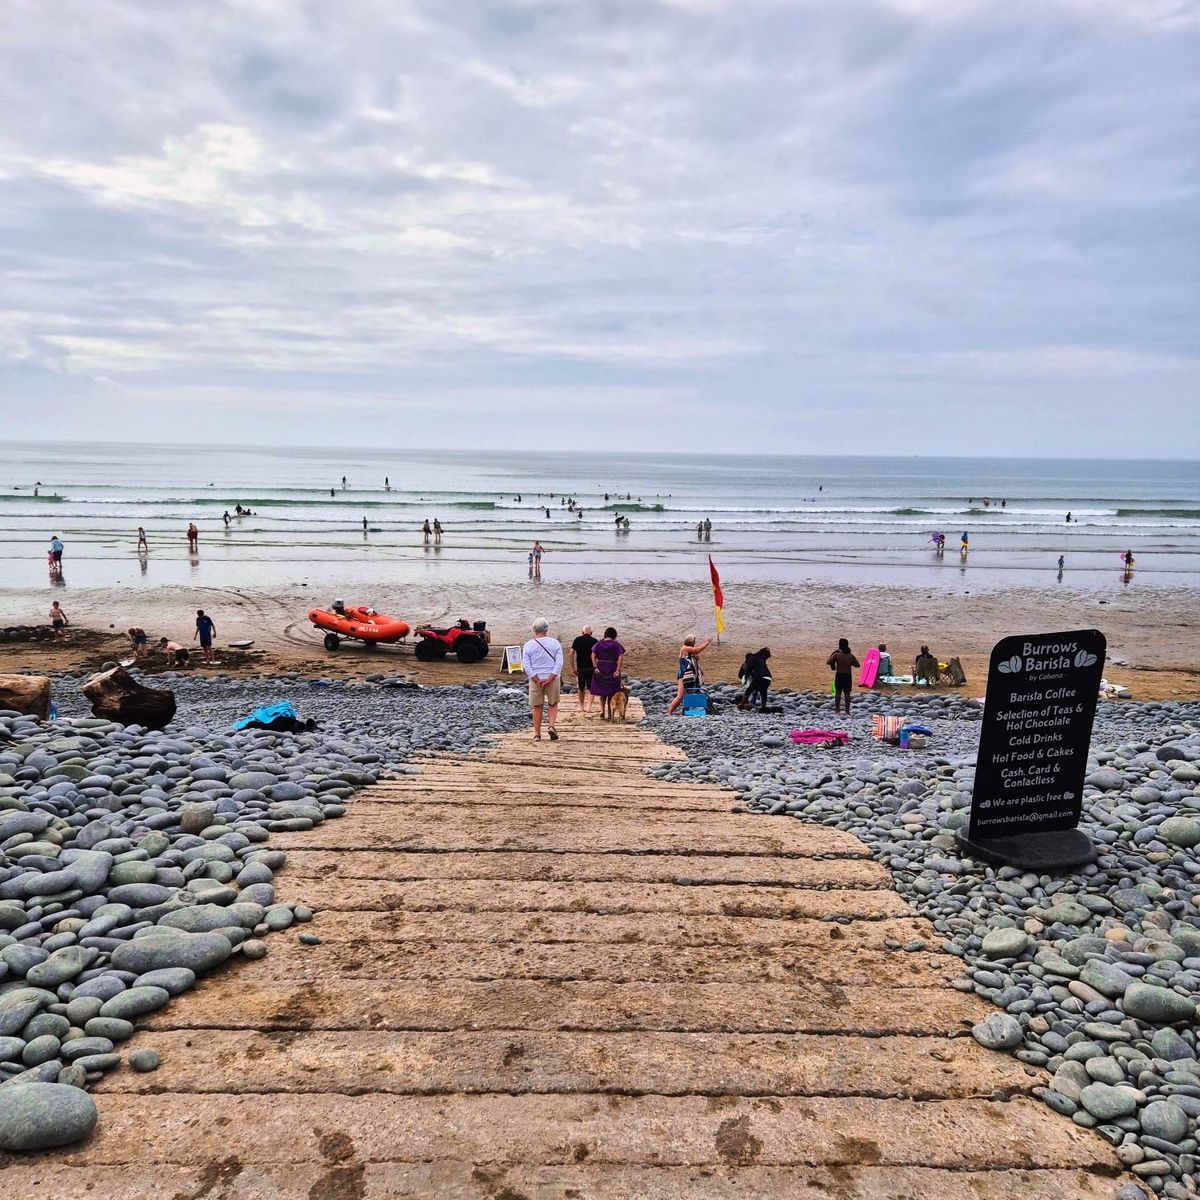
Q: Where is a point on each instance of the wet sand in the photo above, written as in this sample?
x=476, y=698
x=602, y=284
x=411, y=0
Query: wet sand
x=1155, y=636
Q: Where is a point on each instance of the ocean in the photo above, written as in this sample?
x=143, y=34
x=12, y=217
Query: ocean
x=774, y=518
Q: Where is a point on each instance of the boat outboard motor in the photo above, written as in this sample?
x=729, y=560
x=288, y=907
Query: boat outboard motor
x=339, y=607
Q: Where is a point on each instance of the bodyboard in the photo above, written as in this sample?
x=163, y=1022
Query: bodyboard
x=869, y=669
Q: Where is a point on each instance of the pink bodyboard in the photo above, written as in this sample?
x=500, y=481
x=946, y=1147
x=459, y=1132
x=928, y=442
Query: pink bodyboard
x=869, y=670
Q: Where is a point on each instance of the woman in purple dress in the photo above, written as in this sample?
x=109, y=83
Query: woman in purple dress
x=608, y=655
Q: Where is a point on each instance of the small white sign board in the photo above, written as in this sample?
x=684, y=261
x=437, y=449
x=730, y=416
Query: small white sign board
x=512, y=659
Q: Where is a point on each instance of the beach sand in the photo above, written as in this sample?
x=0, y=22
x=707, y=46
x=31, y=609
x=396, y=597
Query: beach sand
x=1153, y=637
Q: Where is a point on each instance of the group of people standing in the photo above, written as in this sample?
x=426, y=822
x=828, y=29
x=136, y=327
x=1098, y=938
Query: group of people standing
x=596, y=666
x=175, y=654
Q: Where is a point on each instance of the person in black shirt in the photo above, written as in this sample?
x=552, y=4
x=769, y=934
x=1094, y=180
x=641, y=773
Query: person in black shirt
x=581, y=666
x=756, y=678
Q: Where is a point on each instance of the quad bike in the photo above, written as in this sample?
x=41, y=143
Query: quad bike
x=469, y=642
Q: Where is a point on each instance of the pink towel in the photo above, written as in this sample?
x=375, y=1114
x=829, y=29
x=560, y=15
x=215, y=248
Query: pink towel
x=819, y=737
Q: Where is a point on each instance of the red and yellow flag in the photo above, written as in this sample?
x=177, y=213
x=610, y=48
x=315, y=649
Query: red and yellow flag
x=718, y=596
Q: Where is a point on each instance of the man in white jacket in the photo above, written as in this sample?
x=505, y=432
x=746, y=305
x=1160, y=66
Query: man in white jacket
x=542, y=662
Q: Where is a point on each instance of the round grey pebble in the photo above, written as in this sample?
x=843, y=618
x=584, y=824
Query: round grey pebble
x=38, y=1116
x=144, y=1060
x=998, y=1031
x=1166, y=1120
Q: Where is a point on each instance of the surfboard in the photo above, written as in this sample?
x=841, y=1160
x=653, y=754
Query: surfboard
x=869, y=669
x=242, y=645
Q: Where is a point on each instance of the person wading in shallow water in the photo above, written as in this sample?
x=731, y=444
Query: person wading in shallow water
x=842, y=663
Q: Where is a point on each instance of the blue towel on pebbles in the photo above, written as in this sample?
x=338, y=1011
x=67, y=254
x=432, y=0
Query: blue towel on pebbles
x=265, y=715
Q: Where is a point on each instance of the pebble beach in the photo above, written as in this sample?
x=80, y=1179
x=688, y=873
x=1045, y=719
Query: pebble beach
x=135, y=861
x=1095, y=973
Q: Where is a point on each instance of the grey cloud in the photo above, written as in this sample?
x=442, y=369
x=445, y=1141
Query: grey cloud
x=795, y=215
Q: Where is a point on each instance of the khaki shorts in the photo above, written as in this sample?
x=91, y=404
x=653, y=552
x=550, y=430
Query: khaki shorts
x=548, y=694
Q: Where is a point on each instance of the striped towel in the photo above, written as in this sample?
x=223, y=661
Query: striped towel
x=886, y=729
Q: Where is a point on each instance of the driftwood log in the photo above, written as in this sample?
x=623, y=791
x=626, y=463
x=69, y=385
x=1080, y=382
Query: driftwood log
x=29, y=694
x=117, y=696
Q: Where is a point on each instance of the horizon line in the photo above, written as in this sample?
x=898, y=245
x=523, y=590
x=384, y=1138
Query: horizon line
x=751, y=455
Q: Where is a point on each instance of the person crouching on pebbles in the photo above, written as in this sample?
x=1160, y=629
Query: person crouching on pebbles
x=542, y=662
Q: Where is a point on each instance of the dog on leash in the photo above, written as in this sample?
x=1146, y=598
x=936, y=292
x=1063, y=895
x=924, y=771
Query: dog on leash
x=618, y=704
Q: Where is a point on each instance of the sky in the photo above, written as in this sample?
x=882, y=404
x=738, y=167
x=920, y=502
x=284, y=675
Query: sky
x=900, y=226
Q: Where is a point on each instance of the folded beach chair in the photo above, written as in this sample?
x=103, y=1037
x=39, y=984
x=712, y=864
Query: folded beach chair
x=954, y=673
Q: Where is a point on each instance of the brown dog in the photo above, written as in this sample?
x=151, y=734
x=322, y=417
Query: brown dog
x=618, y=704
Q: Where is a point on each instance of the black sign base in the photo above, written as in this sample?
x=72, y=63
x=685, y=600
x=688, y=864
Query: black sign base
x=1040, y=852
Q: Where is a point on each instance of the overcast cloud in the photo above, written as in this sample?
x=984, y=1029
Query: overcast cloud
x=901, y=226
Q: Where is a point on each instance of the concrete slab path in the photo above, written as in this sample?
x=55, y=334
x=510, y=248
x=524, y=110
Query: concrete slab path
x=543, y=975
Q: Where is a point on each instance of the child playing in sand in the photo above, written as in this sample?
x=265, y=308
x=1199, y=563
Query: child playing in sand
x=205, y=628
x=137, y=639
x=58, y=620
x=175, y=654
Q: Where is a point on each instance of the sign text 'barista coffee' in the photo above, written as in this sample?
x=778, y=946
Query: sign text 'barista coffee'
x=1033, y=744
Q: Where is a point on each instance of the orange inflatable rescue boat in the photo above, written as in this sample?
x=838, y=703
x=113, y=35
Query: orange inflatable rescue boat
x=359, y=622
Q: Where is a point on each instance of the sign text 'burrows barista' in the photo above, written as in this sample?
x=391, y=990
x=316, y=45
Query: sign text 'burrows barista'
x=1037, y=726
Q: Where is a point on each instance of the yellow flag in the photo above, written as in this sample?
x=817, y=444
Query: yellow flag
x=720, y=621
